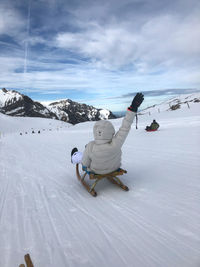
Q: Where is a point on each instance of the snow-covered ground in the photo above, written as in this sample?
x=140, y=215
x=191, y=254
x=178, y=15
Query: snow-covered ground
x=17, y=125
x=44, y=210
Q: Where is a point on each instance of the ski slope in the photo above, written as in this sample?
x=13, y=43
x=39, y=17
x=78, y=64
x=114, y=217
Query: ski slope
x=45, y=211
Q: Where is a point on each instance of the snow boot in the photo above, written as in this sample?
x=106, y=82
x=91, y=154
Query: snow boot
x=74, y=150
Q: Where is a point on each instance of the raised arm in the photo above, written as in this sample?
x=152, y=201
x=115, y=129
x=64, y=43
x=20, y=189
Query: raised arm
x=121, y=135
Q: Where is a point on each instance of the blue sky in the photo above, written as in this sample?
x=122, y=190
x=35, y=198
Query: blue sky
x=98, y=51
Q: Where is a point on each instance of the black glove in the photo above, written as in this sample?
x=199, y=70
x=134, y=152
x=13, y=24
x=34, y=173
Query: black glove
x=137, y=101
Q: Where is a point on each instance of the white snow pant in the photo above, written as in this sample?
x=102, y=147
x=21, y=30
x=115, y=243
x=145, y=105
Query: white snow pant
x=77, y=157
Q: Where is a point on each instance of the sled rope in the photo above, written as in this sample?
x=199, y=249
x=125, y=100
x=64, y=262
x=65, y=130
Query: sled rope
x=136, y=120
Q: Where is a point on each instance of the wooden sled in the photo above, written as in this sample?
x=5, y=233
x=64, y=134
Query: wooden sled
x=112, y=177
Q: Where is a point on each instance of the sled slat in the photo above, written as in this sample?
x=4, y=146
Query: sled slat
x=28, y=260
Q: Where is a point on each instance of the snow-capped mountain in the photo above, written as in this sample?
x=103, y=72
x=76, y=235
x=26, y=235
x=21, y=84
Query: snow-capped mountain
x=73, y=112
x=15, y=104
x=181, y=101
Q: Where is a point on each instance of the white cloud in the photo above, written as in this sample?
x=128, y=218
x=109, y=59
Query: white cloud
x=171, y=37
x=161, y=40
x=111, y=46
x=85, y=78
x=10, y=21
x=119, y=50
x=9, y=64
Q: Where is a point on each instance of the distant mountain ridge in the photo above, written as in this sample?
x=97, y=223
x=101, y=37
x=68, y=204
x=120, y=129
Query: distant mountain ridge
x=173, y=103
x=14, y=103
x=74, y=112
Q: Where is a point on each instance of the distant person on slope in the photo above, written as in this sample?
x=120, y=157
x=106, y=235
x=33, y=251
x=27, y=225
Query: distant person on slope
x=103, y=155
x=153, y=127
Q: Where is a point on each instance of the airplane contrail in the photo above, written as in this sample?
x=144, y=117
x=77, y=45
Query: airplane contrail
x=27, y=37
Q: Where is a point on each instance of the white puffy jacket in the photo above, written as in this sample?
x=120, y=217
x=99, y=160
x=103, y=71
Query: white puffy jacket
x=103, y=155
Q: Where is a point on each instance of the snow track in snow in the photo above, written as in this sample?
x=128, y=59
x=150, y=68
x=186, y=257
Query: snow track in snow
x=45, y=211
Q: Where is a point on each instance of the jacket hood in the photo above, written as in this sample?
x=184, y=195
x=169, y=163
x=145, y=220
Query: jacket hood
x=103, y=132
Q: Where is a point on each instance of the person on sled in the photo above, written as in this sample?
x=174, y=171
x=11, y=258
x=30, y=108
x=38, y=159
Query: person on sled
x=153, y=127
x=103, y=155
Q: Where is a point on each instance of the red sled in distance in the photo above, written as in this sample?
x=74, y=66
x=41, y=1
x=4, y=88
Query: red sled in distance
x=151, y=130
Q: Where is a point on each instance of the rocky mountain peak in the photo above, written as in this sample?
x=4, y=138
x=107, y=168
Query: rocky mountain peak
x=14, y=103
x=4, y=90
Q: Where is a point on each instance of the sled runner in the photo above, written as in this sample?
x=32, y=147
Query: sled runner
x=112, y=177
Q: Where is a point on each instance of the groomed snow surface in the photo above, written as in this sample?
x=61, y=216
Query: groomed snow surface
x=45, y=211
